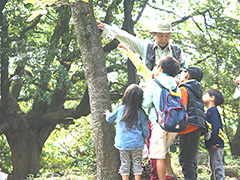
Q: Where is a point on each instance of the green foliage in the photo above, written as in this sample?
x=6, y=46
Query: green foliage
x=5, y=154
x=47, y=65
x=70, y=150
x=231, y=160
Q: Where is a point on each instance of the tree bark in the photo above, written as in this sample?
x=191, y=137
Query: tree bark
x=235, y=143
x=25, y=153
x=128, y=25
x=89, y=41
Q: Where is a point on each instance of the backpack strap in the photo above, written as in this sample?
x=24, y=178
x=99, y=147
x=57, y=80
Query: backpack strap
x=158, y=83
x=172, y=92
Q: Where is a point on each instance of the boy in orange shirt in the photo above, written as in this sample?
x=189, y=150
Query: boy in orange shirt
x=191, y=93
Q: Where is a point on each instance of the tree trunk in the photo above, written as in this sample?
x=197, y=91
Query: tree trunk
x=128, y=25
x=89, y=41
x=25, y=153
x=235, y=143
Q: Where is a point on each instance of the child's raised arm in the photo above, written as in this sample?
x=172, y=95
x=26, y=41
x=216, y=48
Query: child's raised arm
x=138, y=63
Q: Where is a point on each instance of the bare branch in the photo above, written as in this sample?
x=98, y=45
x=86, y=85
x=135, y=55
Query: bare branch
x=110, y=46
x=160, y=9
x=197, y=25
x=200, y=61
x=141, y=11
x=183, y=19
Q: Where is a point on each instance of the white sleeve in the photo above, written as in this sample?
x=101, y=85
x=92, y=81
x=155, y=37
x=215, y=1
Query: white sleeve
x=139, y=46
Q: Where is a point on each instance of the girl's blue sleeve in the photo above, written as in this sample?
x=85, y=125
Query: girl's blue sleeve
x=112, y=116
x=144, y=125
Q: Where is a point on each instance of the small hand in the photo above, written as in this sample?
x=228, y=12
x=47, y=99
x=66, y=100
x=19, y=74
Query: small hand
x=100, y=25
x=106, y=112
x=123, y=46
x=215, y=146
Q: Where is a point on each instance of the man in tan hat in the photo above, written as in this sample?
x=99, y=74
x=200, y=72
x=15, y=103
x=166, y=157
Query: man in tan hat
x=151, y=52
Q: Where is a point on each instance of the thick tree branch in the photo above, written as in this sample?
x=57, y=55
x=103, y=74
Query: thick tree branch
x=37, y=20
x=43, y=134
x=109, y=13
x=62, y=23
x=67, y=115
x=5, y=126
x=128, y=23
x=17, y=84
x=83, y=109
x=5, y=83
x=2, y=5
x=110, y=46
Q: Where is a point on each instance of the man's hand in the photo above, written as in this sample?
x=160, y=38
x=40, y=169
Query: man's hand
x=100, y=25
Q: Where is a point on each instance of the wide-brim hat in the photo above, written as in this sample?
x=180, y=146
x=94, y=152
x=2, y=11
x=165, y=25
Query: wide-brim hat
x=162, y=27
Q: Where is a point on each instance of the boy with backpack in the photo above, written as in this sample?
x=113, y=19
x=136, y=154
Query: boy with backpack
x=191, y=93
x=215, y=143
x=160, y=139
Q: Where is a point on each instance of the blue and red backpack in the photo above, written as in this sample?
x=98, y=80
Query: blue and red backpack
x=171, y=113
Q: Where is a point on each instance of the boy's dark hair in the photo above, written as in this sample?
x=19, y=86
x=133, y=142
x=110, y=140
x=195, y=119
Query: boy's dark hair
x=195, y=73
x=219, y=97
x=169, y=65
x=132, y=98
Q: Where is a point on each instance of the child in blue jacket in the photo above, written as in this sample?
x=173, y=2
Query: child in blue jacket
x=215, y=144
x=131, y=130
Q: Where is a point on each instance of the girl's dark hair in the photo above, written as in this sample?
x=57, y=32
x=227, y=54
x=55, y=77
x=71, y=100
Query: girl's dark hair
x=132, y=98
x=169, y=65
x=219, y=97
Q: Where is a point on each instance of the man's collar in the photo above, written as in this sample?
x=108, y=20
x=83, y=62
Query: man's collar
x=156, y=45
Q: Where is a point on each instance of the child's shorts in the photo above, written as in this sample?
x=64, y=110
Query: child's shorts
x=131, y=156
x=160, y=141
